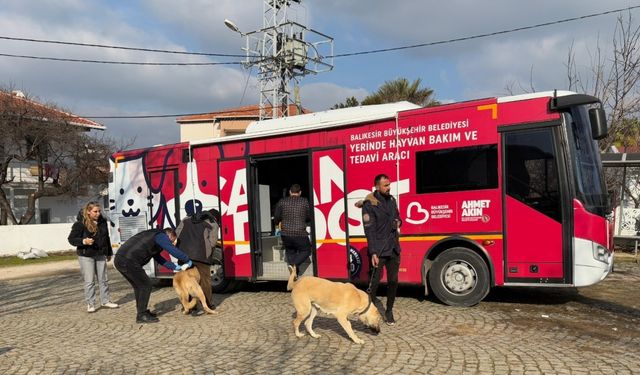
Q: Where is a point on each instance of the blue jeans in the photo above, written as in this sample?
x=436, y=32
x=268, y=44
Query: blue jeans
x=90, y=267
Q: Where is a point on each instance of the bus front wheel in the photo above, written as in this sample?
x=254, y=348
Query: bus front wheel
x=459, y=277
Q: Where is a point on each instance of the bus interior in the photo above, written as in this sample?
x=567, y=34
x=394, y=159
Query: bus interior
x=273, y=176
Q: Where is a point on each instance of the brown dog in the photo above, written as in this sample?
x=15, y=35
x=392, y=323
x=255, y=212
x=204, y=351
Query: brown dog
x=187, y=283
x=338, y=299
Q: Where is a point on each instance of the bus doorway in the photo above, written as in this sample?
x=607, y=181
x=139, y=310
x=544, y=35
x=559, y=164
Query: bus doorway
x=271, y=178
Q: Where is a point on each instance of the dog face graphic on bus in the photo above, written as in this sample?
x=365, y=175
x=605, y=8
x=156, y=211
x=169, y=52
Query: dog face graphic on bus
x=130, y=188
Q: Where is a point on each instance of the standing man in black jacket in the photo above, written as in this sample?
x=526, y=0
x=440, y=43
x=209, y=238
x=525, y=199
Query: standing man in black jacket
x=381, y=221
x=197, y=237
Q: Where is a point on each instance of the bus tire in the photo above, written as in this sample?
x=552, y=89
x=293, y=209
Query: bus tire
x=459, y=277
x=219, y=283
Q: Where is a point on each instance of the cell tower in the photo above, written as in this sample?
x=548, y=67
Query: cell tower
x=283, y=50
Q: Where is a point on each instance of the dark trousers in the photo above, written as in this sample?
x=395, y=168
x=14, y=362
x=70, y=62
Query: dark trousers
x=135, y=275
x=392, y=265
x=205, y=281
x=296, y=249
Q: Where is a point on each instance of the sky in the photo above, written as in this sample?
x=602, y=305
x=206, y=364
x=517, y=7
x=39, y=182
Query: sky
x=484, y=67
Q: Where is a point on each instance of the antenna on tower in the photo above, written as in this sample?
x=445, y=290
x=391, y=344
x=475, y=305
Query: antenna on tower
x=283, y=50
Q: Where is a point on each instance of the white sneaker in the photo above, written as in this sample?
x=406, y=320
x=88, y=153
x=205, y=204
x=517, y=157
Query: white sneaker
x=110, y=305
x=91, y=308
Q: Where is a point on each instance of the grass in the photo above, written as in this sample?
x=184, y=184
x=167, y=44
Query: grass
x=15, y=261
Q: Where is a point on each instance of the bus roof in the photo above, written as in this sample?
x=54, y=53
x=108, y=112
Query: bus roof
x=534, y=95
x=345, y=116
x=317, y=120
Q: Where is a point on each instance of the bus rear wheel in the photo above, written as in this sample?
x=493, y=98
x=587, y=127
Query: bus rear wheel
x=219, y=283
x=459, y=277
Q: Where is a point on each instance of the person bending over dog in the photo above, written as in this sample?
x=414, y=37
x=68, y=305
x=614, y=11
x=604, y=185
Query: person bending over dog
x=197, y=237
x=138, y=251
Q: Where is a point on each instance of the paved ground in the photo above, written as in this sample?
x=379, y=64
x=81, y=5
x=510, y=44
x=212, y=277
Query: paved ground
x=44, y=329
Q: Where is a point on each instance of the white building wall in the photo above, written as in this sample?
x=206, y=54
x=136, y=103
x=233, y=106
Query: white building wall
x=48, y=237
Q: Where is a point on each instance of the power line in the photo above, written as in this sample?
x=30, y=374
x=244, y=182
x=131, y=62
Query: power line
x=119, y=47
x=565, y=20
x=349, y=54
x=119, y=62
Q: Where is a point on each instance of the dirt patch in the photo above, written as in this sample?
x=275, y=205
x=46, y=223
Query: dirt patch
x=607, y=311
x=39, y=270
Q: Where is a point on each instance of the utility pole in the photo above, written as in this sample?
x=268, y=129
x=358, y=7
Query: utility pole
x=283, y=50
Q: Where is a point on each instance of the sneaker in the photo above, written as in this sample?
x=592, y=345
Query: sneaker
x=91, y=308
x=389, y=318
x=110, y=305
x=152, y=314
x=146, y=317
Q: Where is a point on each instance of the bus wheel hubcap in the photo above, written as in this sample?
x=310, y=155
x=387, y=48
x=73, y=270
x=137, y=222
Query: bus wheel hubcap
x=216, y=274
x=459, y=277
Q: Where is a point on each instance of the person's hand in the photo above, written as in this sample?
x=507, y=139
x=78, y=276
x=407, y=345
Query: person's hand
x=88, y=241
x=186, y=266
x=375, y=260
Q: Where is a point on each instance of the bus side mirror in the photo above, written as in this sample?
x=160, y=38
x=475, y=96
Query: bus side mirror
x=598, y=121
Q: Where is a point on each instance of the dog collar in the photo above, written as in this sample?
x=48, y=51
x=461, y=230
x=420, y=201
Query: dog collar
x=367, y=309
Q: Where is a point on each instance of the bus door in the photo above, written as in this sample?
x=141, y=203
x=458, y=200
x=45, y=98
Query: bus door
x=234, y=210
x=536, y=221
x=331, y=226
x=164, y=206
x=270, y=179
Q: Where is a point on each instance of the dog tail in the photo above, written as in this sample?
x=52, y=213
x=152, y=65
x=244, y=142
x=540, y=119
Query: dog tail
x=292, y=278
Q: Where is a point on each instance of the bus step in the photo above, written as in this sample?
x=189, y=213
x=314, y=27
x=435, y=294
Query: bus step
x=278, y=270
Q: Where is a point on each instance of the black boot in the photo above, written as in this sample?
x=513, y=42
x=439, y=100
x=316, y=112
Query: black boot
x=146, y=317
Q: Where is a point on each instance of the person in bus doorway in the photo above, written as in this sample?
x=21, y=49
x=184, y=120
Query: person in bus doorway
x=381, y=220
x=197, y=237
x=293, y=214
x=91, y=237
x=138, y=251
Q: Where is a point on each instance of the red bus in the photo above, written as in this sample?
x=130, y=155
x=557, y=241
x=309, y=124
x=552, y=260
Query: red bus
x=502, y=191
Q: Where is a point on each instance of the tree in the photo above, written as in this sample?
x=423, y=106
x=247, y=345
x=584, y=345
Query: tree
x=615, y=80
x=349, y=102
x=400, y=89
x=66, y=156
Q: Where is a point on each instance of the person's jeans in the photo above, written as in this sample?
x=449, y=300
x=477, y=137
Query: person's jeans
x=392, y=264
x=90, y=267
x=135, y=275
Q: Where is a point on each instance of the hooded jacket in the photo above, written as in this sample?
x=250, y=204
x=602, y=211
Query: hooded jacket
x=101, y=244
x=379, y=215
x=197, y=236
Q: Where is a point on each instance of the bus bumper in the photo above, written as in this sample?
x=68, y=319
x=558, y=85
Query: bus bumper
x=592, y=262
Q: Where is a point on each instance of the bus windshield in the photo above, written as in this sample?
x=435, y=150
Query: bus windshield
x=585, y=157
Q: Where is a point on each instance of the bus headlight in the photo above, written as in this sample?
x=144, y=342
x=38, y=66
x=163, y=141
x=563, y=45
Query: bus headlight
x=601, y=253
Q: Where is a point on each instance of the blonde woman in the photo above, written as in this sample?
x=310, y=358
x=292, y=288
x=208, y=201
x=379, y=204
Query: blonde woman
x=91, y=237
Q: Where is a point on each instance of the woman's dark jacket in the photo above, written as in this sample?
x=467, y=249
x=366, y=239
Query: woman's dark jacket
x=101, y=244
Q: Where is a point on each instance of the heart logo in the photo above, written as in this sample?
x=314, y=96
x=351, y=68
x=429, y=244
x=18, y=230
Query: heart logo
x=417, y=216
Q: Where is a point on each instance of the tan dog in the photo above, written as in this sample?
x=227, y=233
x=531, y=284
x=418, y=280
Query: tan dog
x=338, y=299
x=187, y=283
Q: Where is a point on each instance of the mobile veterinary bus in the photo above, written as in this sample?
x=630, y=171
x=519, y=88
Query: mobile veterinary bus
x=492, y=192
